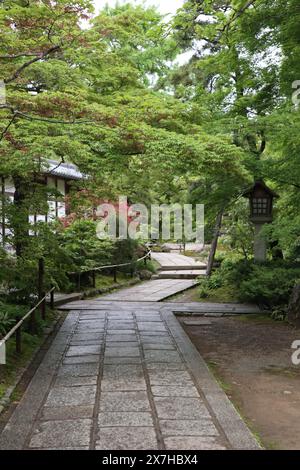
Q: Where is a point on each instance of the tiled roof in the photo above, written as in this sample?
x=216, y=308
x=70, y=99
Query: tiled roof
x=63, y=170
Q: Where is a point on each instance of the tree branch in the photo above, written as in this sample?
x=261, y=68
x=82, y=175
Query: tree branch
x=36, y=118
x=234, y=17
x=2, y=135
x=17, y=56
x=30, y=62
x=289, y=183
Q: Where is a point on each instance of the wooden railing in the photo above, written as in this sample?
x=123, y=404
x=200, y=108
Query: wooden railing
x=17, y=329
x=113, y=268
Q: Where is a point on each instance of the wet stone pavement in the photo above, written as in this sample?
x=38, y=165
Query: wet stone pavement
x=117, y=378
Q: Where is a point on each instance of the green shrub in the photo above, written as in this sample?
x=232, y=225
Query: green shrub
x=6, y=323
x=83, y=247
x=269, y=284
x=279, y=313
x=203, y=291
x=209, y=284
x=64, y=251
x=9, y=314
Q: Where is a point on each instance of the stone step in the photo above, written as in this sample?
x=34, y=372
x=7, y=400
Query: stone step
x=188, y=267
x=181, y=274
x=60, y=298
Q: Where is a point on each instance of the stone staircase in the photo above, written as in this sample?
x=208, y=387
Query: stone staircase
x=179, y=274
x=178, y=267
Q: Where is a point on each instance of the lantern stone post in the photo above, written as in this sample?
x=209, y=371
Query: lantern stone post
x=260, y=245
x=261, y=212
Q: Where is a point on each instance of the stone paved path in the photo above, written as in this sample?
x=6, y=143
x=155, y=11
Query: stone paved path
x=152, y=291
x=124, y=376
x=189, y=308
x=177, y=266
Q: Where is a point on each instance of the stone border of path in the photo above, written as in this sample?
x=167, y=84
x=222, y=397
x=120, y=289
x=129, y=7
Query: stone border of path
x=61, y=298
x=32, y=364
x=233, y=426
x=15, y=433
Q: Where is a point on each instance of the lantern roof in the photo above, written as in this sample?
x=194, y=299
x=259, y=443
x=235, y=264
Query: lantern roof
x=259, y=185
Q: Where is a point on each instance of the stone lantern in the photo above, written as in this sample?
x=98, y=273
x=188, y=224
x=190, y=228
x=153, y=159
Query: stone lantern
x=261, y=212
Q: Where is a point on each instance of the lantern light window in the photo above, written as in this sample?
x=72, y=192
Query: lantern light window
x=260, y=206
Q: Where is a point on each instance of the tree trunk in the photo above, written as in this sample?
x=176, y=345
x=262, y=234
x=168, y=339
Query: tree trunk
x=214, y=243
x=3, y=221
x=293, y=312
x=277, y=252
x=20, y=215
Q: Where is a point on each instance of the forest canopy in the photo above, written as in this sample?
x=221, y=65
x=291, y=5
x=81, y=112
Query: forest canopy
x=108, y=93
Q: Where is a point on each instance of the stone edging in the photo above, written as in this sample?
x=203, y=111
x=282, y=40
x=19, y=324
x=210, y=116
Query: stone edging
x=5, y=400
x=105, y=290
x=235, y=429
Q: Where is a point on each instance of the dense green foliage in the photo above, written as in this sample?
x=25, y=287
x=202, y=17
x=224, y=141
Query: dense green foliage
x=111, y=98
x=242, y=72
x=267, y=284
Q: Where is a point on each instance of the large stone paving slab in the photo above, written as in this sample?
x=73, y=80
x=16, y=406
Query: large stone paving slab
x=75, y=396
x=170, y=377
x=124, y=401
x=183, y=427
x=86, y=359
x=122, y=360
x=58, y=413
x=119, y=419
x=78, y=370
x=188, y=391
x=83, y=350
x=193, y=443
x=122, y=352
x=127, y=438
x=123, y=377
x=61, y=434
x=72, y=381
x=162, y=356
x=180, y=408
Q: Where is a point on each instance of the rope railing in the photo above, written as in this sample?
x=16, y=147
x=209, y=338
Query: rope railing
x=17, y=329
x=99, y=268
x=113, y=267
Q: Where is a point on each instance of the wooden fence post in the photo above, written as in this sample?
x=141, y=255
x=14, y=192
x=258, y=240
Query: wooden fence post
x=52, y=299
x=41, y=278
x=43, y=308
x=41, y=292
x=32, y=323
x=18, y=340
